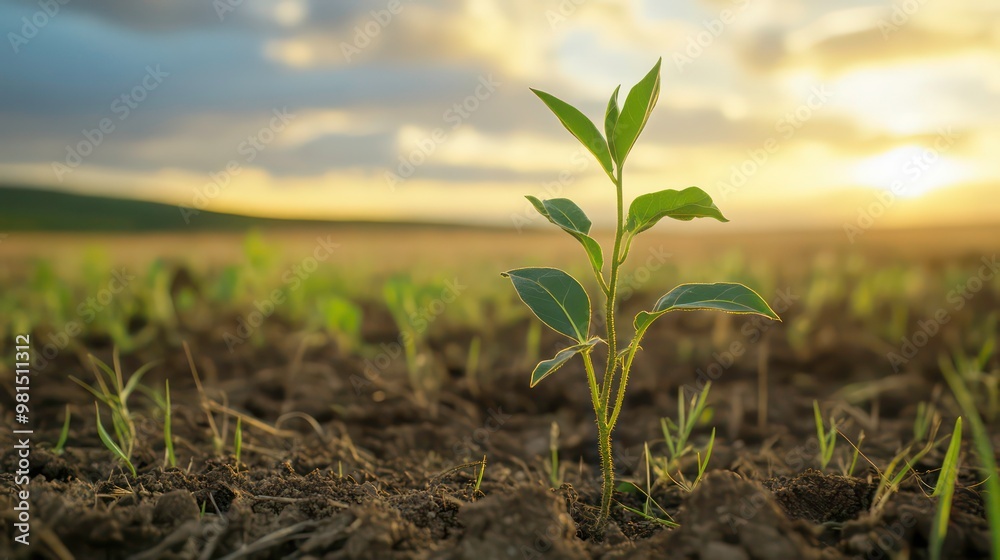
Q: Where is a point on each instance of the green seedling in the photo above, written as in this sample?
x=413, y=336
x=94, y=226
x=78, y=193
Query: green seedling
x=533, y=342
x=891, y=478
x=110, y=443
x=983, y=444
x=408, y=305
x=555, y=477
x=676, y=434
x=114, y=393
x=926, y=413
x=342, y=320
x=168, y=437
x=827, y=438
x=238, y=441
x=976, y=374
x=849, y=471
x=63, y=435
x=561, y=302
x=479, y=476
x=472, y=365
x=944, y=490
x=647, y=512
x=702, y=462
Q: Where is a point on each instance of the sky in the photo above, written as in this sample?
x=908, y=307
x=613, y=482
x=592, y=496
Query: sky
x=788, y=113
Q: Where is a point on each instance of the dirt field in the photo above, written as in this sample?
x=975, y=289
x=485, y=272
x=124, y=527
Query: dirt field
x=342, y=458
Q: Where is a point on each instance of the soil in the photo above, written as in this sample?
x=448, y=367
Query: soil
x=346, y=465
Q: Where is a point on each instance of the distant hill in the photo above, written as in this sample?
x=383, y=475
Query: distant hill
x=30, y=209
x=34, y=209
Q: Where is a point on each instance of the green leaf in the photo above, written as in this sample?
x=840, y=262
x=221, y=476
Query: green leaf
x=110, y=444
x=564, y=213
x=638, y=105
x=684, y=205
x=554, y=297
x=136, y=376
x=729, y=297
x=581, y=127
x=548, y=367
x=610, y=120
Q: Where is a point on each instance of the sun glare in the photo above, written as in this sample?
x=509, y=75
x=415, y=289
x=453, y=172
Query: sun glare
x=910, y=171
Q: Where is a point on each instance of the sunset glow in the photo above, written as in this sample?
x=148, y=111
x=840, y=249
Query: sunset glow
x=422, y=112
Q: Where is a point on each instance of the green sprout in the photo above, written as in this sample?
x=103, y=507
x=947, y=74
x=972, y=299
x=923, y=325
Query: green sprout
x=849, y=471
x=342, y=320
x=168, y=438
x=238, y=441
x=926, y=412
x=891, y=478
x=472, y=364
x=562, y=303
x=827, y=438
x=555, y=476
x=647, y=512
x=479, y=476
x=110, y=443
x=944, y=490
x=407, y=303
x=983, y=445
x=676, y=434
x=114, y=393
x=63, y=435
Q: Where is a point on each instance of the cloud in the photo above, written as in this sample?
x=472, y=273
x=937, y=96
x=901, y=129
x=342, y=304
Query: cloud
x=861, y=37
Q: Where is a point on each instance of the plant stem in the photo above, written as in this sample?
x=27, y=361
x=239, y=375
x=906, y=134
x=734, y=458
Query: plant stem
x=607, y=470
x=609, y=371
x=604, y=426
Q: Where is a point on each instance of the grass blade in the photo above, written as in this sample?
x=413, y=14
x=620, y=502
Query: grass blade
x=110, y=443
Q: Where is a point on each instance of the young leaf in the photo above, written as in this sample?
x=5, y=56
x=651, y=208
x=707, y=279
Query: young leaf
x=684, y=205
x=610, y=120
x=564, y=213
x=638, y=105
x=110, y=444
x=729, y=297
x=554, y=297
x=579, y=126
x=548, y=367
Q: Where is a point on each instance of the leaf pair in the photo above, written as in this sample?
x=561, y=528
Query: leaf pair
x=622, y=127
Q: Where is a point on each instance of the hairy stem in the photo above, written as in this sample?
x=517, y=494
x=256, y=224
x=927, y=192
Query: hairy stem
x=609, y=370
x=607, y=470
x=604, y=427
